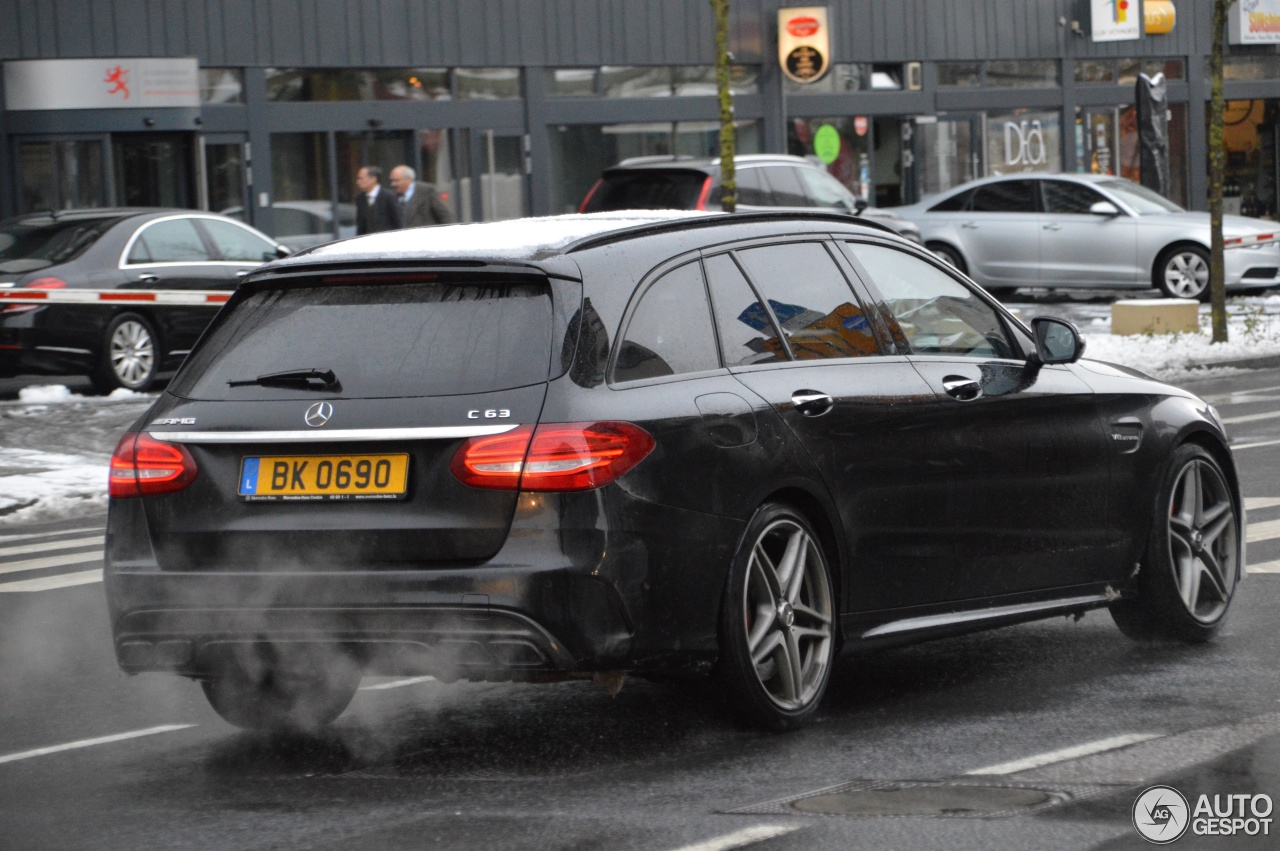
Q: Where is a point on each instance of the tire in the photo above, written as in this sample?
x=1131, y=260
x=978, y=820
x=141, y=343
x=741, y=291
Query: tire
x=948, y=255
x=1183, y=272
x=1188, y=577
x=275, y=698
x=777, y=629
x=129, y=356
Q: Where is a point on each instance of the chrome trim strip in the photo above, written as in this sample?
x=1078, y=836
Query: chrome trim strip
x=331, y=436
x=64, y=349
x=932, y=621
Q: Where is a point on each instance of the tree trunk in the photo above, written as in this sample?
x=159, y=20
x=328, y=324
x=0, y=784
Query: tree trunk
x=1217, y=158
x=728, y=179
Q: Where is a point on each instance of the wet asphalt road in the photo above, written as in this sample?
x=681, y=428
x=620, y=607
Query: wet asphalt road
x=497, y=766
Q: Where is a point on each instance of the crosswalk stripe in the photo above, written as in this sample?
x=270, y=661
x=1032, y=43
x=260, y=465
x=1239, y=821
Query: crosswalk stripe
x=51, y=561
x=5, y=539
x=24, y=549
x=1264, y=567
x=1254, y=503
x=1249, y=418
x=48, y=583
x=1263, y=531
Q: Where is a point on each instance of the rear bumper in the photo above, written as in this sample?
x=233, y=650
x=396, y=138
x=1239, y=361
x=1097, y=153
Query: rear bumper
x=643, y=595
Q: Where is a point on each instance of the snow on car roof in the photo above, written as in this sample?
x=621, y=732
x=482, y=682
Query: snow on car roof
x=523, y=239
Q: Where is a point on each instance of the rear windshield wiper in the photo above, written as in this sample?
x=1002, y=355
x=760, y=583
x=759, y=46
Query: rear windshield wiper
x=306, y=379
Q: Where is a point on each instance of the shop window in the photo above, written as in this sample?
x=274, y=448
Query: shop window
x=61, y=175
x=1249, y=139
x=571, y=82
x=487, y=83
x=850, y=77
x=221, y=86
x=959, y=74
x=1252, y=67
x=1095, y=71
x=1129, y=69
x=357, y=84
x=1130, y=152
x=1024, y=140
x=625, y=81
x=1027, y=74
x=851, y=164
x=303, y=205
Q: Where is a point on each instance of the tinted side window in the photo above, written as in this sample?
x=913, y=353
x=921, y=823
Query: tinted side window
x=747, y=333
x=1005, y=196
x=174, y=241
x=670, y=332
x=953, y=204
x=752, y=189
x=787, y=190
x=1061, y=196
x=236, y=243
x=936, y=313
x=824, y=190
x=811, y=299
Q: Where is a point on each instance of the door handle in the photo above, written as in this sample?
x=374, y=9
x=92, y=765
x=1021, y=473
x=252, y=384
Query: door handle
x=1053, y=227
x=969, y=225
x=812, y=403
x=962, y=388
x=148, y=278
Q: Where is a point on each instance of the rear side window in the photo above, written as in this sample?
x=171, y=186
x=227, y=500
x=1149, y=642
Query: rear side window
x=237, y=244
x=651, y=189
x=747, y=332
x=172, y=241
x=380, y=340
x=953, y=204
x=787, y=190
x=26, y=247
x=670, y=332
x=811, y=300
x=1006, y=196
x=752, y=189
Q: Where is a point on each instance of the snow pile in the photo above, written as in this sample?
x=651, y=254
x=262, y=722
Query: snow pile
x=38, y=486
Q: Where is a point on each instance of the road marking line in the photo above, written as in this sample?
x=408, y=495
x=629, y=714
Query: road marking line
x=1066, y=754
x=1235, y=447
x=50, y=561
x=85, y=743
x=1265, y=567
x=23, y=549
x=48, y=583
x=1249, y=418
x=4, y=539
x=746, y=836
x=408, y=681
x=1263, y=531
x=1253, y=503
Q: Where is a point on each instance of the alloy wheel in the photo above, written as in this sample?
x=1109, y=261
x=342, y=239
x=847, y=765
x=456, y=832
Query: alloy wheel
x=1202, y=540
x=132, y=353
x=787, y=607
x=1186, y=274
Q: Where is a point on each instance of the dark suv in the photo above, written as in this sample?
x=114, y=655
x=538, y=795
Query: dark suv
x=668, y=444
x=764, y=182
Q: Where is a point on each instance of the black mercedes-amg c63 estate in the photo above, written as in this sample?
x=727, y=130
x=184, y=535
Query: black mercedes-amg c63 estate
x=661, y=444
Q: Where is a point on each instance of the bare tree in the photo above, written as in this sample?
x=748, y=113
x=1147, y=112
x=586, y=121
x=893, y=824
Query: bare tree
x=728, y=177
x=1217, y=162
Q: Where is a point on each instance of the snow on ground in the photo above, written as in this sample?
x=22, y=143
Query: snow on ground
x=55, y=445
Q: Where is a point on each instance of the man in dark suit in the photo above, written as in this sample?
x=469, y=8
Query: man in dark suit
x=419, y=203
x=376, y=208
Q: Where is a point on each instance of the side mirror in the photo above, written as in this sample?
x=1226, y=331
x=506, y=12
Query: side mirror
x=1057, y=340
x=860, y=205
x=1104, y=208
x=281, y=251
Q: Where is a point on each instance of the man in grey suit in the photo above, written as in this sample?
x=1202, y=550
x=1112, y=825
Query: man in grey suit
x=419, y=203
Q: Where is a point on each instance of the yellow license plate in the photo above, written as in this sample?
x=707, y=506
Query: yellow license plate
x=323, y=477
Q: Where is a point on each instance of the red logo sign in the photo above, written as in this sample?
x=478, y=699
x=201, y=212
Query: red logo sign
x=803, y=26
x=860, y=125
x=118, y=77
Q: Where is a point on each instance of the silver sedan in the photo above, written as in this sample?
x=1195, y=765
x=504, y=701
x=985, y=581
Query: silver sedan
x=1085, y=230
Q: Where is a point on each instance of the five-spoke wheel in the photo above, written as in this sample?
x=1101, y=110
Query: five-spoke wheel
x=1184, y=272
x=778, y=631
x=130, y=357
x=1188, y=578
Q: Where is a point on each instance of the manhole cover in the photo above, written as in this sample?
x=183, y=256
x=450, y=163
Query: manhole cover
x=926, y=801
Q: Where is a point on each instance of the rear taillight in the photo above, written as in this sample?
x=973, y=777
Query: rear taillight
x=47, y=283
x=552, y=457
x=582, y=208
x=704, y=195
x=142, y=466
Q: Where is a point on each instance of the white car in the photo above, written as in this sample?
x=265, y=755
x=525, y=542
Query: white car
x=1085, y=230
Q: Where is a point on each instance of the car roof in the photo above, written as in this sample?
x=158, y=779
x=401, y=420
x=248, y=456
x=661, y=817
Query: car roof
x=103, y=213
x=535, y=239
x=704, y=164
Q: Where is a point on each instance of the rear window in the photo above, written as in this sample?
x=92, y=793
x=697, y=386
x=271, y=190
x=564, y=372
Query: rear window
x=647, y=190
x=26, y=247
x=379, y=340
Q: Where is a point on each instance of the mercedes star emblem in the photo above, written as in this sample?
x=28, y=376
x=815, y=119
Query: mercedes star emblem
x=319, y=414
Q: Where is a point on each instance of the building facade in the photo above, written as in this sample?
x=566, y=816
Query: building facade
x=266, y=108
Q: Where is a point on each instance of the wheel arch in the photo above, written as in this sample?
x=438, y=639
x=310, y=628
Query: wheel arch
x=1163, y=254
x=1212, y=443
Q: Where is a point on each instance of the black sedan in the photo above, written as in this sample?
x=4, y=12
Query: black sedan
x=657, y=444
x=122, y=343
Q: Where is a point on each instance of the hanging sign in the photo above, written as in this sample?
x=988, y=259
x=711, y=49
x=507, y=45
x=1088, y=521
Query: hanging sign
x=1116, y=20
x=1254, y=22
x=804, y=46
x=1159, y=16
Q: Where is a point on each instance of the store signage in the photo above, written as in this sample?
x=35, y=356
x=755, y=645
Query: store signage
x=1255, y=22
x=826, y=144
x=54, y=84
x=1158, y=16
x=804, y=44
x=860, y=125
x=1116, y=20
